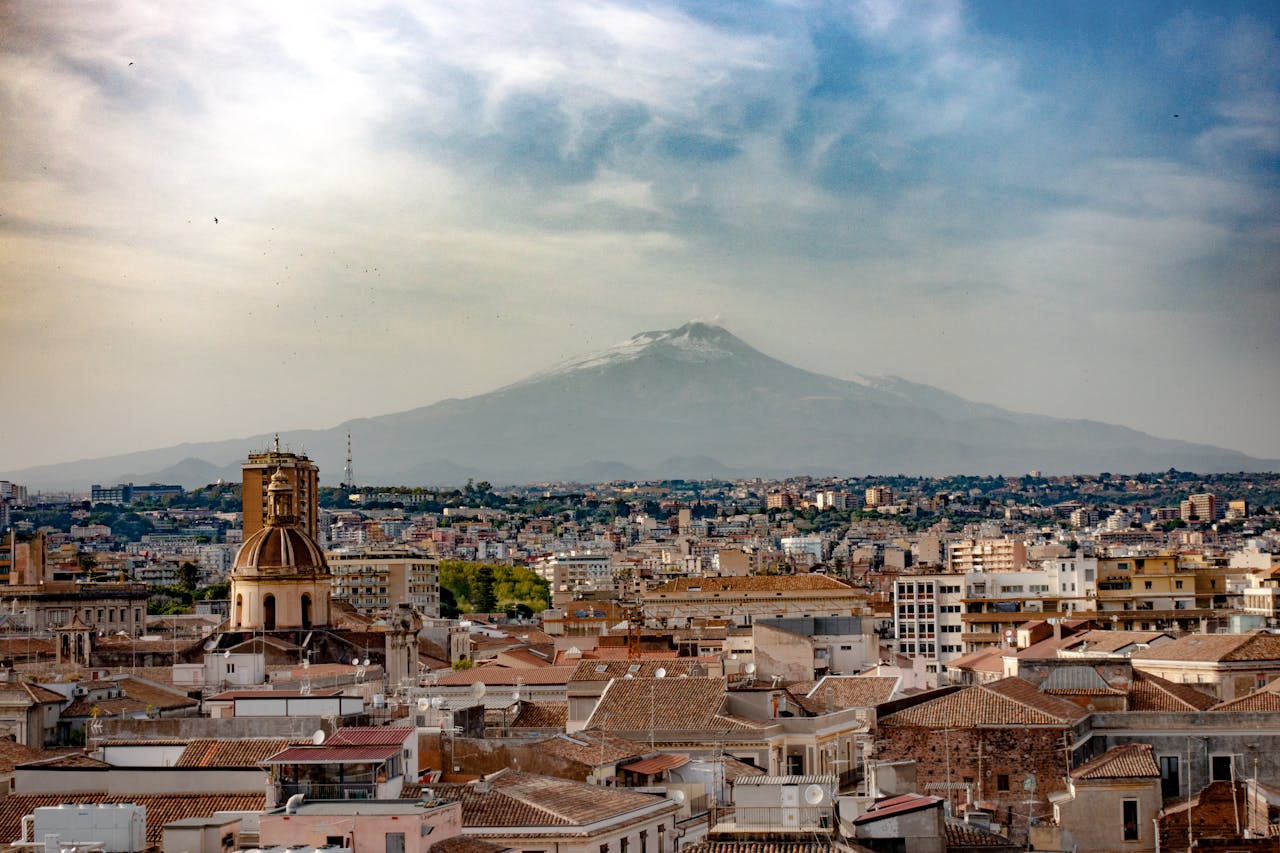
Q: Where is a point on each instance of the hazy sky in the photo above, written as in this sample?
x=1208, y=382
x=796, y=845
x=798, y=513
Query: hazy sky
x=1069, y=208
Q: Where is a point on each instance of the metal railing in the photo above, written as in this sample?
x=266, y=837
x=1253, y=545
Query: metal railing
x=330, y=790
x=761, y=818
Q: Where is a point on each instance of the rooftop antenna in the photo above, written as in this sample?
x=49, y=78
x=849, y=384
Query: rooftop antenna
x=349, y=478
x=277, y=442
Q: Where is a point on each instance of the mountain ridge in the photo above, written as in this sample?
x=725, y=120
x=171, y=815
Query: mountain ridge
x=694, y=396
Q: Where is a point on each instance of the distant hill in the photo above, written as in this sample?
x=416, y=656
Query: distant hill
x=691, y=402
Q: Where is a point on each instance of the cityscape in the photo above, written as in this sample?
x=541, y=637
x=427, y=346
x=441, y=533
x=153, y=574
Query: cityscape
x=640, y=426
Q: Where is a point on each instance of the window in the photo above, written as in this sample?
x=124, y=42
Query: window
x=1002, y=781
x=1220, y=768
x=1146, y=584
x=1170, y=784
x=1129, y=819
x=644, y=841
x=1177, y=584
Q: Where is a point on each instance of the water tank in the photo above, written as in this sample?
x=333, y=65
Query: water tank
x=120, y=827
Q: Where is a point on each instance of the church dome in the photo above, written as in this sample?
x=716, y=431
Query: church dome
x=280, y=548
x=281, y=545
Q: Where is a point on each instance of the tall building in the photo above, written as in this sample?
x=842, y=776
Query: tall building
x=303, y=478
x=878, y=496
x=383, y=577
x=1200, y=509
x=280, y=579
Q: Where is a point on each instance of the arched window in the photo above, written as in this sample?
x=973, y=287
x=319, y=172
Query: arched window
x=306, y=610
x=269, y=613
x=239, y=611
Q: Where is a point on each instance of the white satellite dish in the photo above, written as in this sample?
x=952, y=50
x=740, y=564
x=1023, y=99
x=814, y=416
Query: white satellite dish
x=318, y=737
x=428, y=795
x=437, y=702
x=813, y=794
x=515, y=696
x=675, y=795
x=227, y=653
x=661, y=672
x=423, y=704
x=478, y=690
x=749, y=669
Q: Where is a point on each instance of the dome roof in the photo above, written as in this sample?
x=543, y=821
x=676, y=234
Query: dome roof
x=280, y=546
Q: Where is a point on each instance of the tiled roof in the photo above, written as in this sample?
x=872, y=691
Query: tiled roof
x=523, y=799
x=78, y=760
x=247, y=752
x=1129, y=761
x=607, y=670
x=753, y=583
x=757, y=847
x=674, y=704
x=852, y=691
x=542, y=715
x=370, y=736
x=1264, y=699
x=1153, y=693
x=272, y=694
x=983, y=660
x=1109, y=642
x=735, y=769
x=466, y=844
x=961, y=834
x=154, y=695
x=506, y=676
x=656, y=764
x=332, y=754
x=161, y=808
x=1213, y=648
x=12, y=754
x=1007, y=702
x=592, y=747
x=1079, y=680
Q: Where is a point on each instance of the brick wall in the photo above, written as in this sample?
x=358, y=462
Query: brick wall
x=981, y=756
x=1212, y=815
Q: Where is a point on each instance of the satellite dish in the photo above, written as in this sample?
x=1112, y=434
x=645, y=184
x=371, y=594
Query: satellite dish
x=749, y=669
x=318, y=737
x=661, y=672
x=437, y=702
x=478, y=690
x=675, y=795
x=227, y=653
x=515, y=696
x=424, y=704
x=428, y=795
x=813, y=794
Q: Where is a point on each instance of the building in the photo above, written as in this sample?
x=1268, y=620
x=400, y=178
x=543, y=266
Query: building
x=280, y=579
x=1110, y=804
x=740, y=600
x=375, y=578
x=300, y=473
x=575, y=571
x=878, y=496
x=359, y=825
x=1226, y=665
x=987, y=555
x=1199, y=509
x=926, y=617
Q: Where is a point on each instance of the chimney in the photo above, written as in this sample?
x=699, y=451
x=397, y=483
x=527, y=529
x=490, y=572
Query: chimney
x=1057, y=628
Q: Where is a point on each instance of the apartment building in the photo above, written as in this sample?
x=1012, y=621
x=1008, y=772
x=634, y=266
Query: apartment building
x=382, y=577
x=927, y=617
x=986, y=555
x=576, y=571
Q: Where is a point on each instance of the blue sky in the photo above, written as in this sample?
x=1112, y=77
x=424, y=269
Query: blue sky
x=1064, y=208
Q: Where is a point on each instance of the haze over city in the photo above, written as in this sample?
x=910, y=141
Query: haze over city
x=225, y=220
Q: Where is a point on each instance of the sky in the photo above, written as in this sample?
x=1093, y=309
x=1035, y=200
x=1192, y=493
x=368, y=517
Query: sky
x=224, y=219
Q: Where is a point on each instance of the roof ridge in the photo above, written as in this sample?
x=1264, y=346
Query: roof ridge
x=1019, y=702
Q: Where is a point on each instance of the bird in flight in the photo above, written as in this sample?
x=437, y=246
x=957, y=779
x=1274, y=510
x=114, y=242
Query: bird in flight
x=215, y=220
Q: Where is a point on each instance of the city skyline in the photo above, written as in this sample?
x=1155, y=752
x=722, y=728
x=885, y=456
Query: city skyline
x=1061, y=210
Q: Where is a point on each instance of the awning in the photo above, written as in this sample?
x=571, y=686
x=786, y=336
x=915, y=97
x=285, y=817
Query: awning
x=655, y=765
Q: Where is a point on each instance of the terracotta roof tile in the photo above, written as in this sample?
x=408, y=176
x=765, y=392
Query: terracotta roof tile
x=370, y=736
x=1212, y=648
x=672, y=704
x=542, y=715
x=1263, y=699
x=1128, y=761
x=247, y=752
x=523, y=799
x=853, y=691
x=161, y=808
x=592, y=747
x=1007, y=702
x=607, y=670
x=717, y=846
x=1153, y=693
x=12, y=754
x=960, y=834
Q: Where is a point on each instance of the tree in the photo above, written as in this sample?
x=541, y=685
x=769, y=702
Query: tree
x=188, y=575
x=448, y=605
x=484, y=600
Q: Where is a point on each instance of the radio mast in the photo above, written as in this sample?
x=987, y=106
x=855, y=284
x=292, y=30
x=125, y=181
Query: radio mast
x=348, y=477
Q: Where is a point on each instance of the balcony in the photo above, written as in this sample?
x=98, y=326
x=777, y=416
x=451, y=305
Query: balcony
x=329, y=790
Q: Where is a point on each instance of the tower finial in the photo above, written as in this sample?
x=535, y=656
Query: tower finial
x=277, y=442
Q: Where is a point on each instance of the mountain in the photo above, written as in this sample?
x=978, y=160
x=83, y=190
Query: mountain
x=694, y=402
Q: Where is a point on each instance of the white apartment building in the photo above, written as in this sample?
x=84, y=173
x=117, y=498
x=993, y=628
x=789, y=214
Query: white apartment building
x=1073, y=580
x=804, y=550
x=926, y=617
x=575, y=571
x=381, y=577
